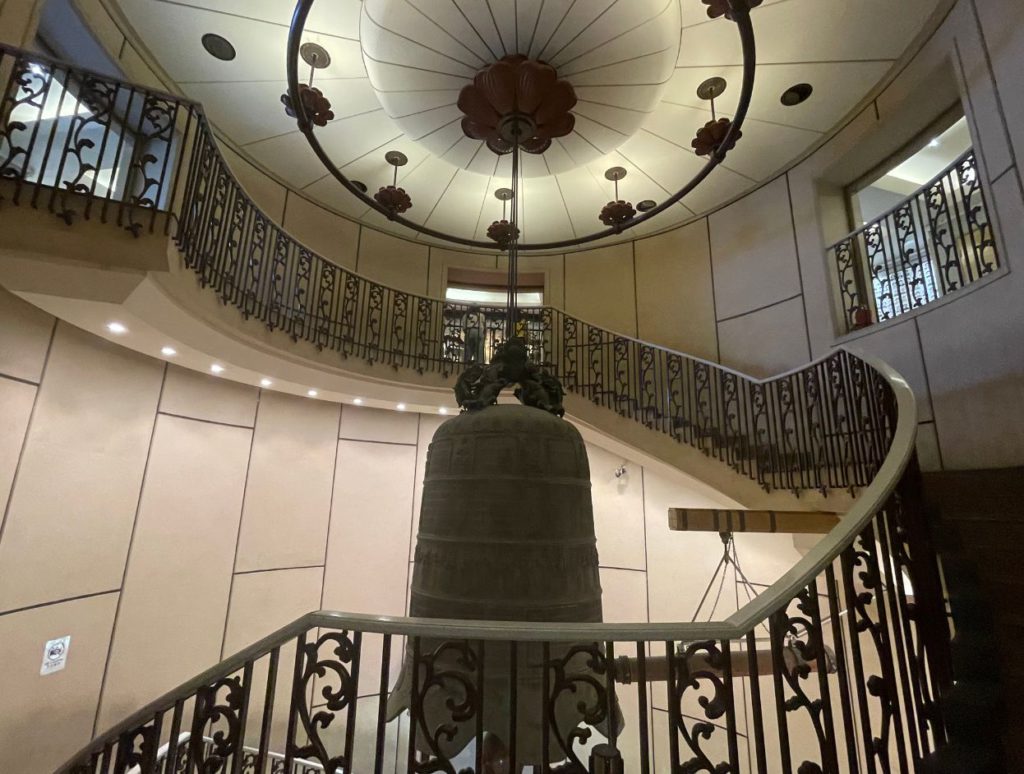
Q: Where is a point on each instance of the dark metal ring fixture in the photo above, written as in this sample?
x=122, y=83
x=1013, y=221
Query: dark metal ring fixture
x=736, y=11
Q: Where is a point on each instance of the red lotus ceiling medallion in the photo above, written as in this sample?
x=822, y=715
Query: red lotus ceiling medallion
x=616, y=213
x=502, y=232
x=711, y=136
x=394, y=199
x=718, y=8
x=318, y=107
x=517, y=100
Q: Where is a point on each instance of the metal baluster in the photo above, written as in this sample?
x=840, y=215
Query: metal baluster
x=755, y=704
x=836, y=618
x=730, y=706
x=382, y=705
x=674, y=720
x=480, y=690
x=609, y=687
x=858, y=662
x=350, y=730
x=545, y=723
x=830, y=755
x=238, y=754
x=297, y=699
x=55, y=126
x=415, y=706
x=266, y=726
x=776, y=628
x=641, y=688
x=513, y=692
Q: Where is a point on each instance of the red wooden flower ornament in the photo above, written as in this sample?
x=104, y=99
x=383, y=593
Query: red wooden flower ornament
x=517, y=100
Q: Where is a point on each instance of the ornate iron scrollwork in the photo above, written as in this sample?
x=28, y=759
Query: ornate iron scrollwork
x=576, y=674
x=218, y=716
x=453, y=670
x=335, y=678
x=714, y=697
x=802, y=633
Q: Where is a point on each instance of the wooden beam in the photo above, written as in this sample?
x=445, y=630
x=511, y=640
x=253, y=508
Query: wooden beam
x=792, y=522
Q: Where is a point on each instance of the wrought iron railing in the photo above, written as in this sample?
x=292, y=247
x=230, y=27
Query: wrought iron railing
x=849, y=650
x=933, y=243
x=84, y=144
x=115, y=151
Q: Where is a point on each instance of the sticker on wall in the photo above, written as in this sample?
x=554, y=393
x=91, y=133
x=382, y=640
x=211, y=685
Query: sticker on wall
x=55, y=655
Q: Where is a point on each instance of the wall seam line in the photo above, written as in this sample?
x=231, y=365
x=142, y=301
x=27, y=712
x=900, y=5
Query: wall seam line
x=386, y=443
x=128, y=555
x=359, y=246
x=760, y=308
x=19, y=379
x=1008, y=138
x=28, y=430
x=962, y=72
x=636, y=292
x=799, y=269
x=647, y=600
x=412, y=517
x=330, y=506
x=241, y=517
x=214, y=421
x=714, y=301
x=280, y=569
x=928, y=390
x=65, y=600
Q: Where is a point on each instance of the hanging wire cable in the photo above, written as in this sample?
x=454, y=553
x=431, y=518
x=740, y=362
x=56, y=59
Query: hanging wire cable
x=513, y=247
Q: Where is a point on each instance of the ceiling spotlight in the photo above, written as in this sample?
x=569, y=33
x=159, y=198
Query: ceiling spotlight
x=218, y=47
x=116, y=327
x=442, y=410
x=168, y=351
x=358, y=401
x=794, y=95
x=400, y=407
x=646, y=205
x=217, y=368
x=265, y=382
x=312, y=393
x=934, y=143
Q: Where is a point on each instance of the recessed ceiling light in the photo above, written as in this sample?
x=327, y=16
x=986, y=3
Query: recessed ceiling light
x=312, y=393
x=217, y=368
x=265, y=382
x=934, y=143
x=646, y=205
x=400, y=407
x=218, y=46
x=168, y=351
x=442, y=410
x=794, y=95
x=358, y=401
x=116, y=327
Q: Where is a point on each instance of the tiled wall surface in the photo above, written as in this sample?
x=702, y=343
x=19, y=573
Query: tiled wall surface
x=166, y=518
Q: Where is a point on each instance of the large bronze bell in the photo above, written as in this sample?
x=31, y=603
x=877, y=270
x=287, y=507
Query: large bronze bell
x=506, y=534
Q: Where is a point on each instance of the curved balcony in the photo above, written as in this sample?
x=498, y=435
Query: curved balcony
x=850, y=647
x=935, y=242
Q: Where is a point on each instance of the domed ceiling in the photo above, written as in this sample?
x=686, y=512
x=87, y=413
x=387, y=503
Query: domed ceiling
x=397, y=68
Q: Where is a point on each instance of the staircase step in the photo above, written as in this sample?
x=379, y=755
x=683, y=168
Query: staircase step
x=977, y=494
x=974, y=710
x=976, y=656
x=959, y=758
